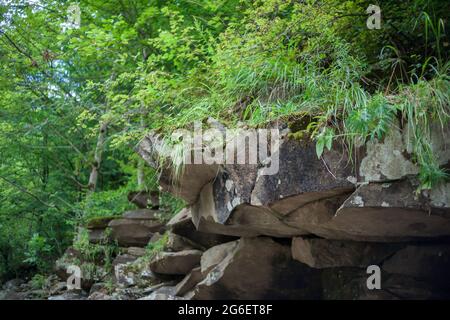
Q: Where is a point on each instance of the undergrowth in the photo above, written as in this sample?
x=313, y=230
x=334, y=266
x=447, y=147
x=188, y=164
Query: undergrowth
x=259, y=74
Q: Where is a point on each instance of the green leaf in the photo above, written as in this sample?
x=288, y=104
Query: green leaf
x=319, y=147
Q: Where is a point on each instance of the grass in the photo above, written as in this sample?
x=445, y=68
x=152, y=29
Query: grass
x=327, y=81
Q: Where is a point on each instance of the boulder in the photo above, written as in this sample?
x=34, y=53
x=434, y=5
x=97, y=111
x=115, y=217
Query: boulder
x=58, y=288
x=123, y=259
x=189, y=282
x=178, y=243
x=135, y=273
x=141, y=214
x=313, y=216
x=98, y=236
x=386, y=160
x=161, y=296
x=99, y=222
x=322, y=253
x=70, y=295
x=302, y=178
x=426, y=262
x=135, y=228
x=388, y=212
x=350, y=284
x=213, y=256
x=258, y=268
x=182, y=225
x=244, y=221
x=186, y=185
x=136, y=251
x=176, y=263
x=99, y=296
x=390, y=159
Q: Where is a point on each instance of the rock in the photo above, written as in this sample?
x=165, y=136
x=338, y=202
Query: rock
x=391, y=159
x=178, y=243
x=302, y=178
x=312, y=217
x=258, y=268
x=161, y=296
x=192, y=179
x=322, y=253
x=181, y=224
x=141, y=214
x=98, y=287
x=99, y=222
x=13, y=284
x=133, y=231
x=155, y=237
x=69, y=295
x=123, y=276
x=386, y=160
x=189, y=282
x=123, y=259
x=181, y=262
x=58, y=288
x=388, y=212
x=135, y=273
x=132, y=293
x=154, y=288
x=430, y=263
x=136, y=251
x=213, y=256
x=245, y=221
x=97, y=236
x=350, y=284
x=99, y=296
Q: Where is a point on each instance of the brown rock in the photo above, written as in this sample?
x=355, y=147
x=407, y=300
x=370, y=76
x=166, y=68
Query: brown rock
x=181, y=224
x=189, y=282
x=188, y=185
x=134, y=232
x=430, y=263
x=181, y=262
x=388, y=212
x=136, y=251
x=322, y=253
x=259, y=268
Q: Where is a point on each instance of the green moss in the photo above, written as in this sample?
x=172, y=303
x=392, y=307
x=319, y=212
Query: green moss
x=299, y=135
x=99, y=222
x=299, y=122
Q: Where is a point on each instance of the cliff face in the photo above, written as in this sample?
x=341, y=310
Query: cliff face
x=313, y=228
x=338, y=227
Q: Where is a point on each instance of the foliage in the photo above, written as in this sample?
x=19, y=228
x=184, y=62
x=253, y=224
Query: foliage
x=38, y=281
x=160, y=65
x=153, y=248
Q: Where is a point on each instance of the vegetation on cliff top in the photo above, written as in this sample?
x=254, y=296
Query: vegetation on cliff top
x=136, y=65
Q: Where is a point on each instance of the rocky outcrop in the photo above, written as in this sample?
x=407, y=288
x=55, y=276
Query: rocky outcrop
x=369, y=197
x=309, y=230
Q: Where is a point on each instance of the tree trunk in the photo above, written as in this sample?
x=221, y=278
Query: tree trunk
x=93, y=178
x=141, y=163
